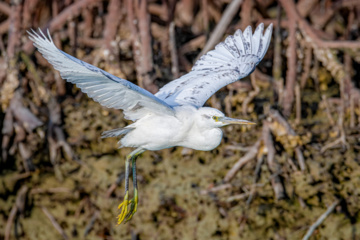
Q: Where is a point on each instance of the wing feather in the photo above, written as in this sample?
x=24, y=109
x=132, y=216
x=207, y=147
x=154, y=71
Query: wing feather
x=108, y=90
x=231, y=60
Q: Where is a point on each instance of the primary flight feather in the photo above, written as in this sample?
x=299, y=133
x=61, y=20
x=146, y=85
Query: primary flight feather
x=231, y=60
x=174, y=116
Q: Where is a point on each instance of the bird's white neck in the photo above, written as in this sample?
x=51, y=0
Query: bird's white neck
x=199, y=134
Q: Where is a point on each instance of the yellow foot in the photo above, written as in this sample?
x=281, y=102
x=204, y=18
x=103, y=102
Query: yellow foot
x=133, y=206
x=128, y=212
x=124, y=208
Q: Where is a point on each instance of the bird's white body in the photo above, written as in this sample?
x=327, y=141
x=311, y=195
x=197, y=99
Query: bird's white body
x=189, y=127
x=174, y=116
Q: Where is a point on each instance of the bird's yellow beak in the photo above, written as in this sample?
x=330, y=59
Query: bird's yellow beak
x=227, y=121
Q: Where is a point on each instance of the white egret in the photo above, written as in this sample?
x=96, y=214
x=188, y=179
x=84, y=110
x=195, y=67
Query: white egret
x=174, y=116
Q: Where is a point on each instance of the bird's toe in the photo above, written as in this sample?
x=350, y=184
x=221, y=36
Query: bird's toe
x=133, y=207
x=124, y=208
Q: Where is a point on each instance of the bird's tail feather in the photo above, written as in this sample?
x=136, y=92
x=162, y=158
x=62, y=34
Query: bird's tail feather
x=116, y=132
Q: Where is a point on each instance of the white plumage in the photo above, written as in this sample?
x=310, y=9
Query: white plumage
x=108, y=90
x=231, y=60
x=174, y=116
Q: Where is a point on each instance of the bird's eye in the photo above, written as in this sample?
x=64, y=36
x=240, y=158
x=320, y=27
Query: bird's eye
x=215, y=118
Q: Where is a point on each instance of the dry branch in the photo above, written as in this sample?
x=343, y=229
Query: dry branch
x=242, y=161
x=246, y=13
x=311, y=33
x=220, y=28
x=111, y=23
x=291, y=69
x=91, y=223
x=306, y=67
x=146, y=59
x=4, y=27
x=320, y=220
x=58, y=22
x=14, y=29
x=272, y=163
x=297, y=103
x=251, y=95
x=286, y=135
x=5, y=8
x=54, y=223
x=277, y=60
x=70, y=12
x=141, y=43
x=18, y=207
x=173, y=51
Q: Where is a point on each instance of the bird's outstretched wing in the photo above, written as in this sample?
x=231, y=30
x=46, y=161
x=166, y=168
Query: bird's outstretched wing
x=108, y=90
x=231, y=60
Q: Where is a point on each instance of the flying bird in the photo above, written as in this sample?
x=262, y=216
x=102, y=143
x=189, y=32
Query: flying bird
x=175, y=115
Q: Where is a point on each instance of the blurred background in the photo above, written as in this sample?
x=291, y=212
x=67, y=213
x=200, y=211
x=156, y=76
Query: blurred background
x=60, y=180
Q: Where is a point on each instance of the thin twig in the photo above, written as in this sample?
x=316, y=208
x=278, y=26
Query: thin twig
x=9, y=222
x=327, y=110
x=4, y=26
x=205, y=15
x=220, y=28
x=251, y=95
x=277, y=62
x=5, y=8
x=272, y=163
x=57, y=22
x=297, y=103
x=242, y=161
x=18, y=207
x=320, y=220
x=54, y=223
x=14, y=29
x=173, y=51
x=311, y=33
x=111, y=23
x=90, y=225
x=352, y=111
x=146, y=58
x=288, y=100
x=245, y=13
x=113, y=186
x=216, y=188
x=71, y=11
x=307, y=64
x=237, y=148
x=238, y=197
x=300, y=158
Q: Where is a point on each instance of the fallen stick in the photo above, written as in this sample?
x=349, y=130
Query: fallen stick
x=18, y=207
x=242, y=161
x=320, y=220
x=9, y=222
x=90, y=225
x=272, y=163
x=216, y=188
x=54, y=223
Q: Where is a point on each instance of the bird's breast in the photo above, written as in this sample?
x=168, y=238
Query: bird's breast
x=205, y=140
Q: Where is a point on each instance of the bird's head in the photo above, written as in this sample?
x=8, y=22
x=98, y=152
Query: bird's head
x=211, y=117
